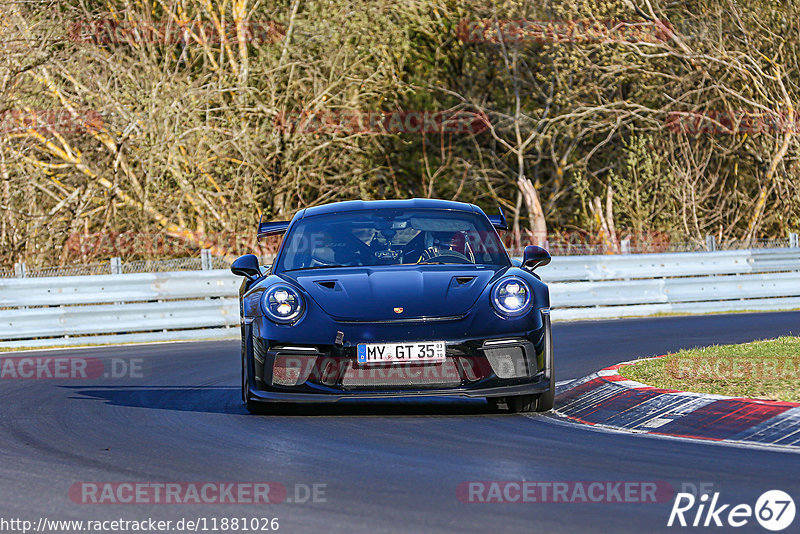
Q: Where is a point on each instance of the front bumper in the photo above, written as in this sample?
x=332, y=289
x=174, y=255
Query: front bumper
x=487, y=367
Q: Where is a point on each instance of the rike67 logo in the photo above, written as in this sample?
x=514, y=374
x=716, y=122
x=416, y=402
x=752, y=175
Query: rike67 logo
x=774, y=510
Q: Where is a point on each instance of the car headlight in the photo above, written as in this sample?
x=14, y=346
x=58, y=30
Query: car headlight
x=512, y=296
x=283, y=304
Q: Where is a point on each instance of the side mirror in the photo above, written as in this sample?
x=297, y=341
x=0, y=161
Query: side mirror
x=246, y=266
x=535, y=257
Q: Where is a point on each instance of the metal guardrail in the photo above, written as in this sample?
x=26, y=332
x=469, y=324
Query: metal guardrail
x=73, y=310
x=111, y=318
x=593, y=287
x=134, y=307
x=632, y=266
x=108, y=289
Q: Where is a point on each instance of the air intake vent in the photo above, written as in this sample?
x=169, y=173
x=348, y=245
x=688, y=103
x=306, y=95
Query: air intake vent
x=507, y=362
x=292, y=370
x=462, y=280
x=327, y=284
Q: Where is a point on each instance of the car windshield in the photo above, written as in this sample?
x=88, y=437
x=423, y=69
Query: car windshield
x=391, y=237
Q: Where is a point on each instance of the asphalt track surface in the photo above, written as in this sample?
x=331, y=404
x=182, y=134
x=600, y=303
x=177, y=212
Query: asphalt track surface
x=388, y=466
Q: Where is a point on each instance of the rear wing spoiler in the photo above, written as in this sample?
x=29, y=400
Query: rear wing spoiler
x=271, y=228
x=499, y=221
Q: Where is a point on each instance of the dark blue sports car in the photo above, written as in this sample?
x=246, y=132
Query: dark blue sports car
x=395, y=298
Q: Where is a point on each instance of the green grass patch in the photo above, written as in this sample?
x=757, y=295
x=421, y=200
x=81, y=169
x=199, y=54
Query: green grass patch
x=763, y=369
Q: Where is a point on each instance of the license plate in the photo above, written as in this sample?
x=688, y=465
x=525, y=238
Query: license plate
x=420, y=352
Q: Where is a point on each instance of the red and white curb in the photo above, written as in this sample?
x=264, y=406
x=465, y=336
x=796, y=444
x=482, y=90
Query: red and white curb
x=609, y=400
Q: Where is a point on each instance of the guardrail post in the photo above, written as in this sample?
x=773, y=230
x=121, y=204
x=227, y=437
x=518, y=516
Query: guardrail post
x=20, y=271
x=711, y=243
x=116, y=266
x=625, y=246
x=205, y=259
x=794, y=240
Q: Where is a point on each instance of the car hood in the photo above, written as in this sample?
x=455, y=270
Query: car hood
x=395, y=292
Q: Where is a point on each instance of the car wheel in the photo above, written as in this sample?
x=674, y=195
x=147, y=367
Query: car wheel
x=521, y=403
x=244, y=380
x=546, y=400
x=252, y=406
x=256, y=408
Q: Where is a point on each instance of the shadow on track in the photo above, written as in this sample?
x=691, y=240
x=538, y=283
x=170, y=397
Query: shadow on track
x=225, y=400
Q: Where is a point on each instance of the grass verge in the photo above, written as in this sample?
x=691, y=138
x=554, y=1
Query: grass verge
x=762, y=369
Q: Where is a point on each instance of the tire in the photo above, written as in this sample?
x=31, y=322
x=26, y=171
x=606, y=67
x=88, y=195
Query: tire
x=521, y=403
x=244, y=380
x=493, y=404
x=545, y=401
x=256, y=408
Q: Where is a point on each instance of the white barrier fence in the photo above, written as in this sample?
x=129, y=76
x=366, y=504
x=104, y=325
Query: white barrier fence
x=203, y=304
x=129, y=307
x=593, y=287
